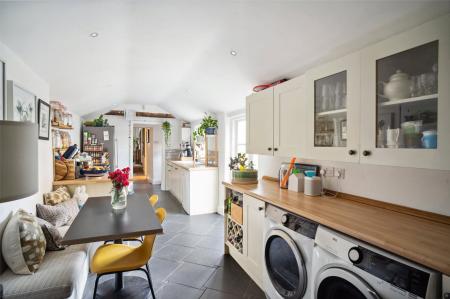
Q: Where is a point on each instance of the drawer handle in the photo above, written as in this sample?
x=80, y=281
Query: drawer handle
x=352, y=152
x=260, y=208
x=269, y=148
x=366, y=153
x=275, y=149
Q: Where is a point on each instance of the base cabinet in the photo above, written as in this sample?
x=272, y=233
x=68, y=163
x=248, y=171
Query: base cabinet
x=250, y=256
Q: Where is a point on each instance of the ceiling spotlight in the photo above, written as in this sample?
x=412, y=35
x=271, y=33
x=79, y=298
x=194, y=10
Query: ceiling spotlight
x=93, y=34
x=233, y=53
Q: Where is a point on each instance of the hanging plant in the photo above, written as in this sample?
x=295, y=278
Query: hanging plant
x=167, y=131
x=208, y=126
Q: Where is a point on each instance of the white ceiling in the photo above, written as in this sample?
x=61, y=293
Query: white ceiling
x=176, y=54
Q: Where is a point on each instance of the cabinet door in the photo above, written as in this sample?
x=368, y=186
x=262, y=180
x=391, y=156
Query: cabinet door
x=254, y=234
x=168, y=177
x=259, y=114
x=406, y=98
x=289, y=118
x=332, y=109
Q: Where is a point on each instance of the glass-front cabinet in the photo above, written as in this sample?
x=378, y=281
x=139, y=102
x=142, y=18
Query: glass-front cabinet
x=333, y=109
x=405, y=103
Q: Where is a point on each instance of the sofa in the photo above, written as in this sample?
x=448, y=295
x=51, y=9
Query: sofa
x=62, y=274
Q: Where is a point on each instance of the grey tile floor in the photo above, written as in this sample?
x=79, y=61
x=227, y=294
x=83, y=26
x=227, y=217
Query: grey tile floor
x=188, y=260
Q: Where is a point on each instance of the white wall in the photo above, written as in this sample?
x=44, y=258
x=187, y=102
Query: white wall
x=18, y=71
x=422, y=189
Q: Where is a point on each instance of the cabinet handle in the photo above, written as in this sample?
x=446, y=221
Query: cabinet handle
x=275, y=149
x=269, y=148
x=260, y=208
x=366, y=153
x=351, y=152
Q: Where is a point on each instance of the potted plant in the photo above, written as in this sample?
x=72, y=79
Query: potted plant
x=167, y=130
x=119, y=179
x=97, y=122
x=208, y=126
x=241, y=171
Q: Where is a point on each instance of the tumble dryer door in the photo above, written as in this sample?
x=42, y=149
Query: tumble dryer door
x=338, y=283
x=285, y=265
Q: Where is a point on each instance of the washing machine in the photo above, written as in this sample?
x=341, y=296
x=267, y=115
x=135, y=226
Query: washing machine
x=343, y=268
x=288, y=249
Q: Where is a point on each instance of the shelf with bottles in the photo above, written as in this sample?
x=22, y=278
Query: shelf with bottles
x=234, y=235
x=93, y=148
x=407, y=98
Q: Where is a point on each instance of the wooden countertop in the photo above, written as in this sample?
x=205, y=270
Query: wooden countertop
x=85, y=181
x=418, y=239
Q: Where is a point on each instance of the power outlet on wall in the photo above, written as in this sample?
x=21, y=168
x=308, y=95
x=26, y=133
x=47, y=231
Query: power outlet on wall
x=329, y=172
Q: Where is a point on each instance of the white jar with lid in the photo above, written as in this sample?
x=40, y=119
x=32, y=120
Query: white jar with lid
x=313, y=186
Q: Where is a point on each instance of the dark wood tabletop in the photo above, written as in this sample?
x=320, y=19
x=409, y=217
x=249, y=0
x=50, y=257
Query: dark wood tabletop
x=96, y=221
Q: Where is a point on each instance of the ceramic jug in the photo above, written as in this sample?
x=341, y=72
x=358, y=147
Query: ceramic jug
x=398, y=87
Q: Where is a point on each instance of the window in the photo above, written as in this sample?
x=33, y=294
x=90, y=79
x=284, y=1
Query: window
x=238, y=135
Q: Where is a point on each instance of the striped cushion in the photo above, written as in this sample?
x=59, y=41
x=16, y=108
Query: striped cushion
x=23, y=243
x=55, y=197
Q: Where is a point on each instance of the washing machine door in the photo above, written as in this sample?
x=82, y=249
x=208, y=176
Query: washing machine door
x=338, y=283
x=285, y=265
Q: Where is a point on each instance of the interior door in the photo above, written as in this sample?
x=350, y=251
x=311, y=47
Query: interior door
x=259, y=116
x=332, y=110
x=406, y=98
x=289, y=118
x=254, y=234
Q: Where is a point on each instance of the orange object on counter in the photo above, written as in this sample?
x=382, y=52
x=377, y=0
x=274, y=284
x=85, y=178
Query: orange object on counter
x=288, y=173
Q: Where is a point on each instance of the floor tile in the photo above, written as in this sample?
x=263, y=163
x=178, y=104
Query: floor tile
x=211, y=242
x=206, y=257
x=160, y=269
x=213, y=294
x=177, y=291
x=173, y=252
x=191, y=275
x=230, y=280
x=185, y=239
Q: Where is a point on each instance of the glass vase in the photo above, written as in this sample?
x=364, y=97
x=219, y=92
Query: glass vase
x=119, y=198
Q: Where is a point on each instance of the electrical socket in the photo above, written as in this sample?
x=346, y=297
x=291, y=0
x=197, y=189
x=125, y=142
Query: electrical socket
x=328, y=171
x=340, y=173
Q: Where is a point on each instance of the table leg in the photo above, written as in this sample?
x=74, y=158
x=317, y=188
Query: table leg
x=119, y=275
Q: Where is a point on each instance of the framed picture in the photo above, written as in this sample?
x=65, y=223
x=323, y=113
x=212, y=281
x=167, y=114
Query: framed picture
x=44, y=120
x=2, y=89
x=20, y=104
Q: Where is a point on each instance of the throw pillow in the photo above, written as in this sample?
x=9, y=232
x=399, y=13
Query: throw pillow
x=3, y=224
x=52, y=235
x=71, y=207
x=55, y=197
x=56, y=215
x=23, y=243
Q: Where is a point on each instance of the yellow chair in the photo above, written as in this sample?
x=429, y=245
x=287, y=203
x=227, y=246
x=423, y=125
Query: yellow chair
x=153, y=199
x=113, y=258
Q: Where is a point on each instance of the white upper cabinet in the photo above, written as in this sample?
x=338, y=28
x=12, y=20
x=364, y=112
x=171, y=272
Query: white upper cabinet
x=405, y=98
x=259, y=114
x=332, y=95
x=289, y=118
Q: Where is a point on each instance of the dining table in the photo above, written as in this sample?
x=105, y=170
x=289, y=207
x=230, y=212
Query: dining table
x=97, y=221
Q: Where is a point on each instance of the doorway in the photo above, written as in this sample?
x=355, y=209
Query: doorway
x=142, y=153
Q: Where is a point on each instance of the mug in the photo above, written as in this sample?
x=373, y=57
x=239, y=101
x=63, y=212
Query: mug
x=392, y=136
x=429, y=139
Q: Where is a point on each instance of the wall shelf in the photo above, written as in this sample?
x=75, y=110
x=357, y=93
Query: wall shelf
x=409, y=100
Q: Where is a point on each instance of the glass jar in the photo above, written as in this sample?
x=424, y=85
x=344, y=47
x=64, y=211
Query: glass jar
x=119, y=198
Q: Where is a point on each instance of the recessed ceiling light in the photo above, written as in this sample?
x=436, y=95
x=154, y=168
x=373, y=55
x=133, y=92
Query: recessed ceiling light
x=93, y=34
x=233, y=52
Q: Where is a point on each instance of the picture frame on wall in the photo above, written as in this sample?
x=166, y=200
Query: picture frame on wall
x=2, y=89
x=20, y=104
x=44, y=120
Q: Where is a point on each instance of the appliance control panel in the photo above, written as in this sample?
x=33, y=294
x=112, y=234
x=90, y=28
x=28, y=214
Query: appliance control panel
x=294, y=222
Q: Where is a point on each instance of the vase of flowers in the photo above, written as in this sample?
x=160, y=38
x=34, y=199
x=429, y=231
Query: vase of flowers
x=119, y=179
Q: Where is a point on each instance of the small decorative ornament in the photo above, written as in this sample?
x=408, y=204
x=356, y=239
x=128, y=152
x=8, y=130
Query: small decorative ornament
x=120, y=182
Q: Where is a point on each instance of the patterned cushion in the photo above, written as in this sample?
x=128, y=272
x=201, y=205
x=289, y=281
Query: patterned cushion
x=23, y=243
x=55, y=197
x=52, y=235
x=56, y=215
x=71, y=207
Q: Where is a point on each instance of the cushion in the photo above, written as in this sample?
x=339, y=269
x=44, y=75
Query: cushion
x=56, y=215
x=3, y=224
x=60, y=170
x=23, y=243
x=62, y=274
x=55, y=197
x=71, y=207
x=52, y=235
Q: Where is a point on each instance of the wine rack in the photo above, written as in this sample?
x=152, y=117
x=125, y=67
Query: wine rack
x=234, y=234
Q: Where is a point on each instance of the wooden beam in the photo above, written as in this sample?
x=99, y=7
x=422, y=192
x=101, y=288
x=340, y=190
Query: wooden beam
x=116, y=112
x=141, y=114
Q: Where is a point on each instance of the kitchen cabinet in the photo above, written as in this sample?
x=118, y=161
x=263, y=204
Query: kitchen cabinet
x=406, y=98
x=259, y=114
x=195, y=188
x=332, y=110
x=253, y=239
x=275, y=117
